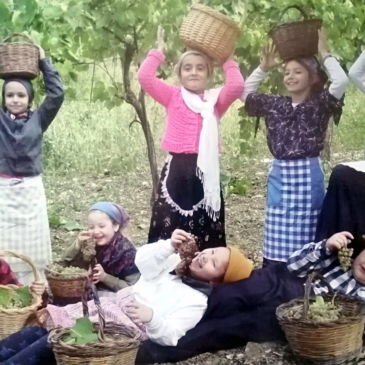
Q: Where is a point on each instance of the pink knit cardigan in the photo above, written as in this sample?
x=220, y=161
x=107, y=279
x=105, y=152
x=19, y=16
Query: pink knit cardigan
x=183, y=126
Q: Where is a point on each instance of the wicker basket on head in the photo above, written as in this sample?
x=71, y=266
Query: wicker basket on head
x=119, y=348
x=327, y=343
x=66, y=287
x=210, y=32
x=296, y=39
x=13, y=320
x=19, y=59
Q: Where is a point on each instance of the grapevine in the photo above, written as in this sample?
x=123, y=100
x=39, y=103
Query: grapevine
x=344, y=256
x=70, y=272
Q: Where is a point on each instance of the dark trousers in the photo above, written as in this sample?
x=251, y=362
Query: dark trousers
x=27, y=347
x=236, y=313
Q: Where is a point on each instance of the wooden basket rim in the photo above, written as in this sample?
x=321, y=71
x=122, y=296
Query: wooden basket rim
x=216, y=14
x=36, y=303
x=277, y=27
x=308, y=322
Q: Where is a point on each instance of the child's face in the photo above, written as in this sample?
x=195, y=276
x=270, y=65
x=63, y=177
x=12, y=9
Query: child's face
x=101, y=227
x=296, y=78
x=358, y=268
x=16, y=98
x=211, y=264
x=194, y=73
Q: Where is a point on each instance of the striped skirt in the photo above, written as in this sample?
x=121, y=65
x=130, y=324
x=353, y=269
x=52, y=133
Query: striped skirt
x=295, y=194
x=24, y=226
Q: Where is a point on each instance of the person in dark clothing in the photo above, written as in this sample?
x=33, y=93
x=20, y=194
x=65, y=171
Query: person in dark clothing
x=23, y=212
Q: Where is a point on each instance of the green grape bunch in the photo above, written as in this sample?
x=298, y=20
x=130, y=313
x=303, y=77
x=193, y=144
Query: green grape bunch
x=321, y=311
x=69, y=272
x=344, y=256
x=88, y=250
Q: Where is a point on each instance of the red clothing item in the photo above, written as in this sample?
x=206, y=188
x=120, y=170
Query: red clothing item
x=6, y=275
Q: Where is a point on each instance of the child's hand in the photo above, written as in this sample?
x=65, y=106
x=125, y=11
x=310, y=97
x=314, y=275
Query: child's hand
x=161, y=45
x=42, y=54
x=269, y=58
x=83, y=237
x=178, y=237
x=322, y=43
x=339, y=240
x=139, y=313
x=98, y=274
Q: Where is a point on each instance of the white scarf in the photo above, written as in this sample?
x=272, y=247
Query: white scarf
x=208, y=157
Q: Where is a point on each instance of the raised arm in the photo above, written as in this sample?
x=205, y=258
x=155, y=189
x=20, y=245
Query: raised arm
x=156, y=88
x=54, y=92
x=232, y=89
x=338, y=77
x=357, y=72
x=253, y=82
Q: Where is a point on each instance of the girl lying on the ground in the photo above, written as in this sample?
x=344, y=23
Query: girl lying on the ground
x=161, y=305
x=115, y=254
x=245, y=311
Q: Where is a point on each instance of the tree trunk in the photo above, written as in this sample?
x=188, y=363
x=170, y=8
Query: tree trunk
x=326, y=152
x=140, y=108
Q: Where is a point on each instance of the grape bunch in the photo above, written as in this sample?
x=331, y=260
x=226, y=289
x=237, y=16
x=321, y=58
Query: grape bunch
x=321, y=311
x=344, y=256
x=67, y=272
x=88, y=251
x=187, y=253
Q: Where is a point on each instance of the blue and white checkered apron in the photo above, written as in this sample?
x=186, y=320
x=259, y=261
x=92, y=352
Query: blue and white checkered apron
x=295, y=194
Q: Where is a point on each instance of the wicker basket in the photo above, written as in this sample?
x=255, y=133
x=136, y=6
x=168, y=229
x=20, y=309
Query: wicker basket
x=66, y=288
x=210, y=32
x=19, y=59
x=119, y=349
x=296, y=39
x=13, y=320
x=327, y=343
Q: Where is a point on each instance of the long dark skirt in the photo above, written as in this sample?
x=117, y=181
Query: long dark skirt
x=237, y=313
x=179, y=205
x=344, y=206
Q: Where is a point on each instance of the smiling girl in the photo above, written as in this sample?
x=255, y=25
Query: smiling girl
x=189, y=193
x=115, y=254
x=296, y=129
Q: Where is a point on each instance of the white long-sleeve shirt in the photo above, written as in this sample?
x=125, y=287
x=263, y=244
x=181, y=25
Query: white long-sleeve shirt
x=176, y=307
x=357, y=72
x=337, y=74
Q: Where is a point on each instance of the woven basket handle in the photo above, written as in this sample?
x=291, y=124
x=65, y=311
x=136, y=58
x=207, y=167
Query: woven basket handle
x=308, y=288
x=26, y=259
x=12, y=35
x=305, y=15
x=85, y=309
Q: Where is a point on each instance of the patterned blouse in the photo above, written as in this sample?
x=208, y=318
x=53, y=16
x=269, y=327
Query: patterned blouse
x=294, y=132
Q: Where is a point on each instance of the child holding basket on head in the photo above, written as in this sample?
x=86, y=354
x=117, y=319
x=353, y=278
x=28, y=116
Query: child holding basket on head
x=296, y=129
x=189, y=193
x=24, y=224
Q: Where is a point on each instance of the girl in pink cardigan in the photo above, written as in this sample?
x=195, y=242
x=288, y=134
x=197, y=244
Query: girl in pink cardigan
x=189, y=193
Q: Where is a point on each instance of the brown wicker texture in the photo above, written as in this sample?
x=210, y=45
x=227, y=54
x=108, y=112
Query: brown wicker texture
x=13, y=320
x=296, y=39
x=19, y=59
x=210, y=32
x=326, y=343
x=118, y=344
x=64, y=287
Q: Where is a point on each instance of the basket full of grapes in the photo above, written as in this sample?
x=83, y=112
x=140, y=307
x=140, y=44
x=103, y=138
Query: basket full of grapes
x=66, y=281
x=325, y=329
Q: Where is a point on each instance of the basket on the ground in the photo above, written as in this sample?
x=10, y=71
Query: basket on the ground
x=208, y=31
x=327, y=343
x=296, y=39
x=66, y=287
x=119, y=348
x=13, y=320
x=19, y=59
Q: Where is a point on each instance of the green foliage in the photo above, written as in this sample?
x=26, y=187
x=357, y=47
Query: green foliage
x=19, y=298
x=234, y=185
x=82, y=333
